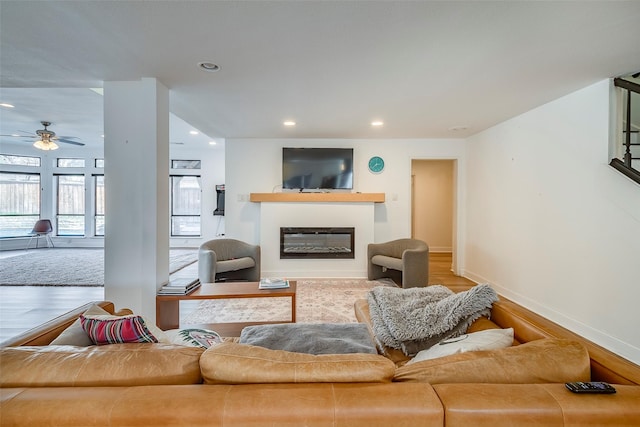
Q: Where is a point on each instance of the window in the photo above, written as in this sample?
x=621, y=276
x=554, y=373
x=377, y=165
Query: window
x=185, y=205
x=7, y=159
x=99, y=163
x=19, y=203
x=185, y=164
x=70, y=219
x=70, y=163
x=98, y=183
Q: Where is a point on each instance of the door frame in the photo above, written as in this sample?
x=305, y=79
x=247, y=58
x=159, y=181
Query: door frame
x=457, y=243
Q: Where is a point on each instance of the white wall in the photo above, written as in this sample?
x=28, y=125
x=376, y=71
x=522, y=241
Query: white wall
x=551, y=225
x=254, y=166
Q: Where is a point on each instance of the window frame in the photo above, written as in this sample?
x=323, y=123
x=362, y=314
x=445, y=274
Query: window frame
x=173, y=215
x=96, y=201
x=34, y=216
x=59, y=215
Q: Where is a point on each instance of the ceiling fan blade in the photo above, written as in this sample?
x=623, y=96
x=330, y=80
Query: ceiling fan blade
x=45, y=133
x=20, y=136
x=68, y=141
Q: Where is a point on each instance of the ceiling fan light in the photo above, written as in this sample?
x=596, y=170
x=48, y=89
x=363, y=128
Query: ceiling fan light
x=45, y=145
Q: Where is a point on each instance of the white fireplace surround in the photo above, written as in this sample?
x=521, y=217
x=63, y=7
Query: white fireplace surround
x=315, y=214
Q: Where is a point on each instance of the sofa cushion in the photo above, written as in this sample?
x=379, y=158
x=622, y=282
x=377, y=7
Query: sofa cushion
x=108, y=365
x=107, y=329
x=318, y=338
x=546, y=360
x=74, y=334
x=490, y=339
x=203, y=338
x=234, y=363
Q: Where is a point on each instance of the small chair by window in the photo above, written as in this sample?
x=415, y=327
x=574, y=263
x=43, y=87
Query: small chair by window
x=43, y=228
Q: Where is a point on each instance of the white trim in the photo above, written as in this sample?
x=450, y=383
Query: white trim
x=595, y=335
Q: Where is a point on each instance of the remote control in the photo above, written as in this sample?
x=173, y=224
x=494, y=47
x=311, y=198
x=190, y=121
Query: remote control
x=590, y=387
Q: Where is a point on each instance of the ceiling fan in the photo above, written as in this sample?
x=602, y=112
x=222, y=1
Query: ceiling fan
x=46, y=139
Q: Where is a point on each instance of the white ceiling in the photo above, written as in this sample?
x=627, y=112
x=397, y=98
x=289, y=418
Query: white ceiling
x=422, y=67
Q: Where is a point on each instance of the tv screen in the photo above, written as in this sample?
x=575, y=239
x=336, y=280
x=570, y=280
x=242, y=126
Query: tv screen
x=317, y=168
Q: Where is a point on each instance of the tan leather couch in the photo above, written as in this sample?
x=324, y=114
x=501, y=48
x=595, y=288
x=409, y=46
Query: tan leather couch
x=237, y=385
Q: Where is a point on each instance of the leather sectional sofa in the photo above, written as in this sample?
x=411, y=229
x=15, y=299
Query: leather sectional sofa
x=235, y=384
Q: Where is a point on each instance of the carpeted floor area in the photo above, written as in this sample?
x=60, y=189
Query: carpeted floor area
x=318, y=301
x=69, y=267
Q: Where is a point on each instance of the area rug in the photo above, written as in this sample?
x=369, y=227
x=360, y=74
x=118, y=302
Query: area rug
x=318, y=301
x=70, y=267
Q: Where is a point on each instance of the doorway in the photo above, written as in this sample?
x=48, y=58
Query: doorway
x=433, y=204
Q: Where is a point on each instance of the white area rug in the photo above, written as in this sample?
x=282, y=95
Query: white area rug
x=318, y=301
x=70, y=267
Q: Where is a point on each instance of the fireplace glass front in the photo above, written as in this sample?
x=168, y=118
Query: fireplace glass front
x=317, y=242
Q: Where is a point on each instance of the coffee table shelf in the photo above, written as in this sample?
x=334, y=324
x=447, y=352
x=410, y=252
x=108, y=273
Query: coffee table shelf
x=168, y=306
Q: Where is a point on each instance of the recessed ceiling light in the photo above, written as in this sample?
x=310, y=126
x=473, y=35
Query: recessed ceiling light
x=4, y=104
x=194, y=132
x=289, y=123
x=209, y=67
x=377, y=123
x=212, y=143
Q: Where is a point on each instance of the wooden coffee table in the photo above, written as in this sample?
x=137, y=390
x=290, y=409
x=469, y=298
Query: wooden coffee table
x=168, y=306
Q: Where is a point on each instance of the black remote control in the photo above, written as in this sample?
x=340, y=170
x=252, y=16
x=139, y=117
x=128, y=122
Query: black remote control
x=591, y=387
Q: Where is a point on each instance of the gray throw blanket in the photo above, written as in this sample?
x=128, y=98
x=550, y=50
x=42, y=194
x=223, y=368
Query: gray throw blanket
x=316, y=338
x=415, y=319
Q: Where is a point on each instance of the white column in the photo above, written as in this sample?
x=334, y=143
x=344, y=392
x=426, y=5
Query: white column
x=136, y=152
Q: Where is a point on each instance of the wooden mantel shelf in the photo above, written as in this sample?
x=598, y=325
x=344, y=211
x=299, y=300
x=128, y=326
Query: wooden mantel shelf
x=317, y=197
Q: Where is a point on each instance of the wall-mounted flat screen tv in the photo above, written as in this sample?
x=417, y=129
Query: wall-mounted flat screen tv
x=317, y=168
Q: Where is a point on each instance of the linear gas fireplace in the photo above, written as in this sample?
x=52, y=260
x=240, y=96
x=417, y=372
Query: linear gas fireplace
x=317, y=242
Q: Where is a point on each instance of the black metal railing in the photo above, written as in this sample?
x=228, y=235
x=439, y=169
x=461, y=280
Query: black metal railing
x=625, y=165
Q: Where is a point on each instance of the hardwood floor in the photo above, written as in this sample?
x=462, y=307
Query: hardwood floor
x=440, y=272
x=24, y=307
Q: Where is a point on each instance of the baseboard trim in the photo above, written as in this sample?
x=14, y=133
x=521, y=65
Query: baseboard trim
x=596, y=336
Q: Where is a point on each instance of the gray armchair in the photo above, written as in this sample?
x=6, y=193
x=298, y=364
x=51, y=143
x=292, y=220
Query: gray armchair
x=228, y=259
x=405, y=261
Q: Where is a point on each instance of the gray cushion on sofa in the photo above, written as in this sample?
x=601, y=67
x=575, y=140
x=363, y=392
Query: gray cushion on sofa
x=321, y=338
